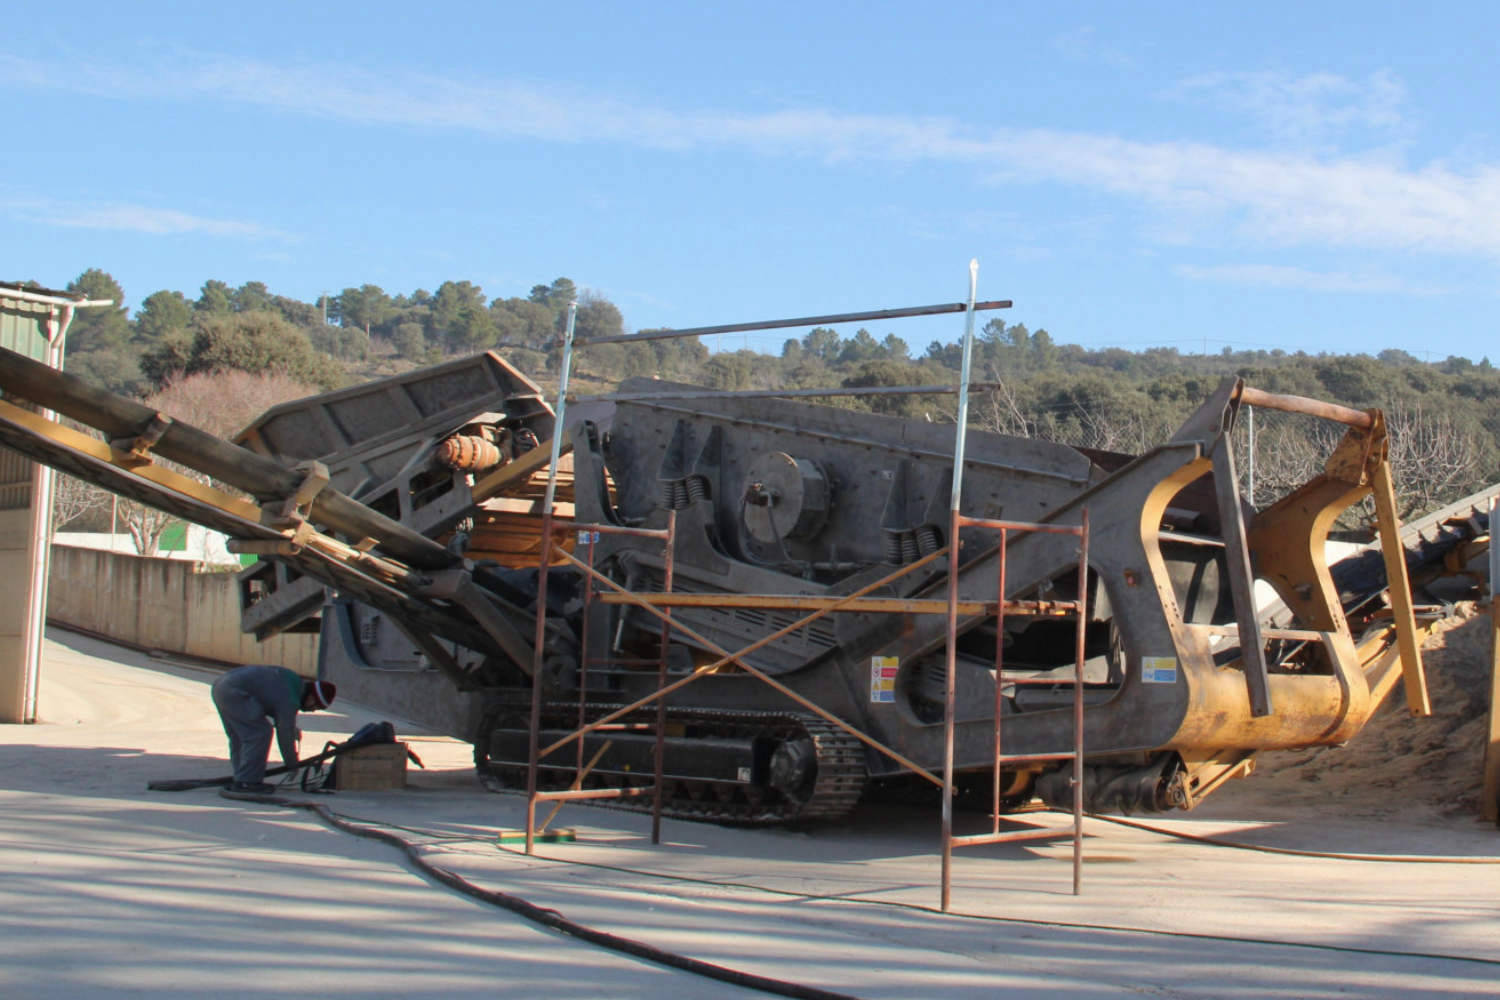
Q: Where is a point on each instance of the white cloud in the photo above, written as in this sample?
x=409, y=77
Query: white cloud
x=1285, y=199
x=1085, y=46
x=1308, y=109
x=136, y=219
x=1277, y=276
x=1199, y=191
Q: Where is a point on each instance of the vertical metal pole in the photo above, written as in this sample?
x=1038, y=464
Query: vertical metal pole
x=561, y=409
x=961, y=434
x=1494, y=550
x=583, y=649
x=1250, y=428
x=950, y=693
x=1083, y=583
x=1489, y=796
x=539, y=656
x=999, y=673
x=661, y=680
x=43, y=478
x=537, y=660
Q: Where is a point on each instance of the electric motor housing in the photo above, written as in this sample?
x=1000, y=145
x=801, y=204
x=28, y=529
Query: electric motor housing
x=785, y=498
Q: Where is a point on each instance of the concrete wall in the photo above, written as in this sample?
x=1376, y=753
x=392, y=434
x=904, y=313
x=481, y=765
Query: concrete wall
x=200, y=545
x=163, y=604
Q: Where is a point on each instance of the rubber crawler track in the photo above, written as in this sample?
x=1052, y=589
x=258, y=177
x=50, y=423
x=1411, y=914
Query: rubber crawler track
x=837, y=785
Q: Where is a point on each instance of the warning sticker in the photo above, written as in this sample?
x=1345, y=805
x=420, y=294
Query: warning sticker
x=883, y=670
x=1159, y=669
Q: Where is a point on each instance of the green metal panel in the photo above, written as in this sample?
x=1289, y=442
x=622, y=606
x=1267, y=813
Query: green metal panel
x=21, y=327
x=173, y=538
x=20, y=331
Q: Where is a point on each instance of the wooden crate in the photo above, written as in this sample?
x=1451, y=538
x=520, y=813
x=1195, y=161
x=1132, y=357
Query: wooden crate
x=371, y=768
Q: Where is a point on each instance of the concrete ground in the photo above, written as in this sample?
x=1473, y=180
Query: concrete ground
x=107, y=889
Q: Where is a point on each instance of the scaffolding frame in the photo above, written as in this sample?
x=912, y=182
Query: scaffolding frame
x=659, y=605
x=589, y=534
x=1079, y=608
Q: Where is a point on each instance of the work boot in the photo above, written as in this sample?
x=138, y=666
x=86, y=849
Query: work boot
x=246, y=790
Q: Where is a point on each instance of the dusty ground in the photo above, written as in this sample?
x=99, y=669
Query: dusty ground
x=1397, y=766
x=108, y=890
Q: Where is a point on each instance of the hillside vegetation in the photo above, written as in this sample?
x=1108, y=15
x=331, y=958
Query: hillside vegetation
x=1444, y=418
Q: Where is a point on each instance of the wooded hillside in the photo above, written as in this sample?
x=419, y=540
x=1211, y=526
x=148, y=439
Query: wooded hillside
x=1443, y=415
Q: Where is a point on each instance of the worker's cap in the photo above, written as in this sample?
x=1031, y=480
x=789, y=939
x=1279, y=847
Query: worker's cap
x=322, y=692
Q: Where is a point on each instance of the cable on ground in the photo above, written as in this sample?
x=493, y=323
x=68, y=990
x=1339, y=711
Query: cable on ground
x=1026, y=921
x=556, y=921
x=934, y=911
x=1402, y=859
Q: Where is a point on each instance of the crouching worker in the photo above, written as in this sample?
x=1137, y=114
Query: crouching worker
x=249, y=700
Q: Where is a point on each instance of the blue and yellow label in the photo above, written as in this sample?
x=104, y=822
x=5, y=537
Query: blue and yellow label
x=883, y=670
x=1159, y=669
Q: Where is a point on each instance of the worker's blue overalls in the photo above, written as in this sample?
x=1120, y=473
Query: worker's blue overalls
x=249, y=700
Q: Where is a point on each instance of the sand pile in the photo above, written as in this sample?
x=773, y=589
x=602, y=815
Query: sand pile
x=1397, y=765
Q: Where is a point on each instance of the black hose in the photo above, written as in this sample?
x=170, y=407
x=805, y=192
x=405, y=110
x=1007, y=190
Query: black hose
x=188, y=784
x=556, y=921
x=515, y=904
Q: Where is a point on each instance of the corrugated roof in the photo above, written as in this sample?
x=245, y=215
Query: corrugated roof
x=62, y=297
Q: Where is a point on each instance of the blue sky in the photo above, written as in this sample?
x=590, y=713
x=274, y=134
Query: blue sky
x=1294, y=175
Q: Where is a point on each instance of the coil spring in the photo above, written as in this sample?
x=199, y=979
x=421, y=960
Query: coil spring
x=929, y=539
x=673, y=494
x=893, y=547
x=678, y=494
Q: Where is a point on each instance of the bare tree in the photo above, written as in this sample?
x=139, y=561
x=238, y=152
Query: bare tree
x=1093, y=424
x=1289, y=450
x=73, y=498
x=1433, y=460
x=1104, y=430
x=225, y=402
x=1000, y=411
x=145, y=524
x=1132, y=433
x=221, y=403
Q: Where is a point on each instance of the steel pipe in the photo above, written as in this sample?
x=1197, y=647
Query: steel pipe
x=1311, y=407
x=873, y=390
x=777, y=324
